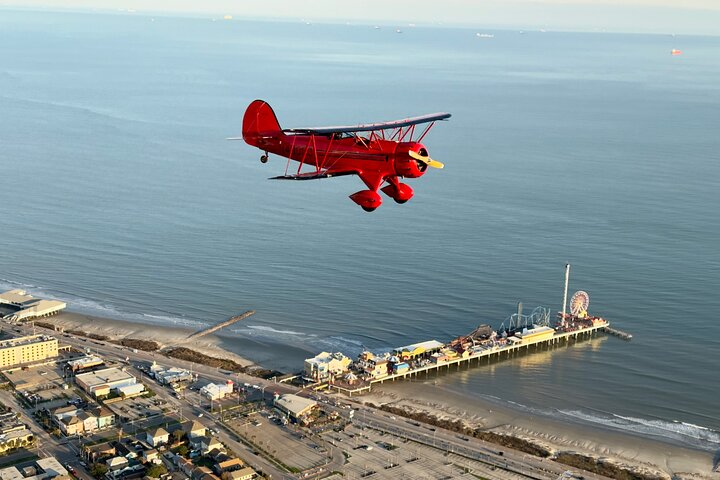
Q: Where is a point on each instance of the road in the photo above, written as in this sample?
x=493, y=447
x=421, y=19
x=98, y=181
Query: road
x=188, y=408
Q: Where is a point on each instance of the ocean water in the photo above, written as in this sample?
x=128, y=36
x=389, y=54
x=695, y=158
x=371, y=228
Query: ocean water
x=120, y=195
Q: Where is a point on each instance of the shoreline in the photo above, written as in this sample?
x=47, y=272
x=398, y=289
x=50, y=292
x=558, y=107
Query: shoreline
x=164, y=335
x=623, y=449
x=633, y=452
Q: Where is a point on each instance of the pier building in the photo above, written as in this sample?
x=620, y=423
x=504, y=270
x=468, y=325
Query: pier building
x=416, y=349
x=17, y=305
x=30, y=349
x=326, y=365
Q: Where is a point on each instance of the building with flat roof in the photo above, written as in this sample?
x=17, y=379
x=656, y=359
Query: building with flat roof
x=295, y=406
x=41, y=469
x=22, y=350
x=19, y=305
x=14, y=434
x=100, y=382
x=170, y=376
x=82, y=363
x=216, y=391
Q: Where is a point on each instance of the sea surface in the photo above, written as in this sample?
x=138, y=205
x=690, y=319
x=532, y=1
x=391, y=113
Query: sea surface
x=121, y=195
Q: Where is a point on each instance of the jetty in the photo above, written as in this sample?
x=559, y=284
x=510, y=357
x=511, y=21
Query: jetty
x=617, y=333
x=215, y=328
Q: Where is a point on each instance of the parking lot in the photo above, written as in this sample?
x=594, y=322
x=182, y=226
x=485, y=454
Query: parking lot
x=372, y=454
x=282, y=442
x=136, y=408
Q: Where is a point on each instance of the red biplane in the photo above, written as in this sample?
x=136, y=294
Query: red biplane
x=378, y=152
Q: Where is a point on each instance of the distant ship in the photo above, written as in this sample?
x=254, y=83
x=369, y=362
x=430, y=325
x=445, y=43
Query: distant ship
x=485, y=35
x=675, y=51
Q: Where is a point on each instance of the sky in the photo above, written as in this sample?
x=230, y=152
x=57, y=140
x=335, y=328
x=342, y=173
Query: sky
x=641, y=16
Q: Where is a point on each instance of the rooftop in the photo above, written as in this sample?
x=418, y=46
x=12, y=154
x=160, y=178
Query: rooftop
x=428, y=345
x=325, y=357
x=106, y=375
x=87, y=360
x=294, y=403
x=30, y=339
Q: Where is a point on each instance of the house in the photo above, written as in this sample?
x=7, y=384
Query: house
x=92, y=453
x=246, y=473
x=208, y=444
x=89, y=421
x=149, y=455
x=194, y=429
x=71, y=425
x=117, y=463
x=105, y=417
x=185, y=466
x=157, y=436
x=200, y=472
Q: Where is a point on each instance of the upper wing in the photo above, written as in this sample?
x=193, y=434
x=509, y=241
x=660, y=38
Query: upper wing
x=370, y=127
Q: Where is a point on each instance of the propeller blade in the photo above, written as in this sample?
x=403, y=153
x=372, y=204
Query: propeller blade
x=426, y=160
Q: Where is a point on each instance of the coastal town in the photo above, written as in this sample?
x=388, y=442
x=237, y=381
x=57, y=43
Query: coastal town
x=81, y=406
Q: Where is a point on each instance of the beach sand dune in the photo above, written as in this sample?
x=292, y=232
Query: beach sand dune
x=166, y=336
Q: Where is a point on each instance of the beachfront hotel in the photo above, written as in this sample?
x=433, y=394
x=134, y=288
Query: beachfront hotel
x=22, y=350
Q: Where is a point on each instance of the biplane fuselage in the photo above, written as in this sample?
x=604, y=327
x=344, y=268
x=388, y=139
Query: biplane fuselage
x=377, y=153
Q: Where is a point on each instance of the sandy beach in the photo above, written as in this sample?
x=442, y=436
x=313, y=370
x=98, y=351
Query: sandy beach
x=640, y=453
x=166, y=336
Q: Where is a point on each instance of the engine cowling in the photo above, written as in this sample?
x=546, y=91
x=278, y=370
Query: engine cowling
x=405, y=165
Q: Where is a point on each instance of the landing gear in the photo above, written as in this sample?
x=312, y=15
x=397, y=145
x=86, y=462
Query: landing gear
x=400, y=192
x=264, y=158
x=369, y=200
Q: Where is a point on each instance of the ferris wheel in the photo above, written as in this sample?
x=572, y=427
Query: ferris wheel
x=579, y=303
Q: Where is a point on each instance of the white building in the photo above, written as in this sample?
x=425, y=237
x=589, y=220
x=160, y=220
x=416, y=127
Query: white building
x=25, y=306
x=216, y=391
x=43, y=469
x=168, y=376
x=325, y=365
x=101, y=382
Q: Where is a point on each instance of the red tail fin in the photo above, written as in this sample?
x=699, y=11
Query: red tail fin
x=259, y=121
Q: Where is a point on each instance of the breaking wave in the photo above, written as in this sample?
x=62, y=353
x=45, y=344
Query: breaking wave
x=683, y=432
x=98, y=309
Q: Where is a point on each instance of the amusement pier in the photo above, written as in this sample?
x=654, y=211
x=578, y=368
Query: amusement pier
x=520, y=333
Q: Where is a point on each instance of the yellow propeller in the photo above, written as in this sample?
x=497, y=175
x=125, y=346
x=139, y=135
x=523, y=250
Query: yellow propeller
x=426, y=160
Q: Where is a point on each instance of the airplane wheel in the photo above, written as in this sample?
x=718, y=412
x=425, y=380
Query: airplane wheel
x=369, y=209
x=263, y=159
x=400, y=201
